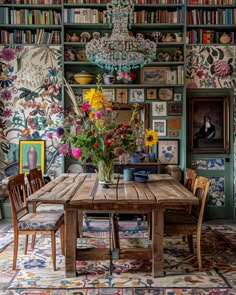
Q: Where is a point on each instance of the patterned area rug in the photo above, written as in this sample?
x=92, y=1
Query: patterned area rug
x=5, y=240
x=36, y=277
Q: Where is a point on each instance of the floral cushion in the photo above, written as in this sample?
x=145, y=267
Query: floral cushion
x=50, y=208
x=41, y=221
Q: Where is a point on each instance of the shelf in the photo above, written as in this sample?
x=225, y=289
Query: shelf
x=169, y=63
x=210, y=44
x=31, y=44
x=203, y=6
x=159, y=44
x=127, y=85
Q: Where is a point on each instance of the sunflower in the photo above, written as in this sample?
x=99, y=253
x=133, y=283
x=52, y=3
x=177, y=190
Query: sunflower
x=151, y=137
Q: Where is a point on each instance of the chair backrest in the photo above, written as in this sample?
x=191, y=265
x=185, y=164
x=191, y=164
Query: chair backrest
x=35, y=180
x=17, y=194
x=200, y=190
x=190, y=179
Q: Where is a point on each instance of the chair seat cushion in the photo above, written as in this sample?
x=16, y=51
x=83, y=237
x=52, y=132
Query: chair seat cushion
x=41, y=221
x=50, y=208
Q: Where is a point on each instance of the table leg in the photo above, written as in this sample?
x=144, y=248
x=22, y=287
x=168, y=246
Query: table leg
x=71, y=243
x=157, y=243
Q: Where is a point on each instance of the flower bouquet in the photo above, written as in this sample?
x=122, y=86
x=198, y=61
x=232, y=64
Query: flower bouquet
x=91, y=132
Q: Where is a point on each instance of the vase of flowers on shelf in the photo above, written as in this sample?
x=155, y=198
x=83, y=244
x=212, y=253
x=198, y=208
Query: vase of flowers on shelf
x=92, y=132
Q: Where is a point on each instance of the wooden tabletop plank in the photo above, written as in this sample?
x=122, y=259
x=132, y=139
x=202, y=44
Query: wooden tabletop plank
x=86, y=192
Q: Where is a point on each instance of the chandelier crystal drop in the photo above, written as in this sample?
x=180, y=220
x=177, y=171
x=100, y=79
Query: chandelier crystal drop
x=120, y=51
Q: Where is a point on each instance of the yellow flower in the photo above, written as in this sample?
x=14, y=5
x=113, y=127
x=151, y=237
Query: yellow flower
x=92, y=116
x=151, y=137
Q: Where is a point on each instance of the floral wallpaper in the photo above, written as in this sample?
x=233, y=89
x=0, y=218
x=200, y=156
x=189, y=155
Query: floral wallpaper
x=213, y=67
x=30, y=103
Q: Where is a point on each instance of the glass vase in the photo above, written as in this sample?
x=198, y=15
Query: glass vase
x=106, y=171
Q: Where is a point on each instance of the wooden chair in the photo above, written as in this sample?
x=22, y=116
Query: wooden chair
x=190, y=179
x=27, y=223
x=35, y=182
x=184, y=224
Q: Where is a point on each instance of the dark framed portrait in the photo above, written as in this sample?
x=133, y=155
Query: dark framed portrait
x=209, y=124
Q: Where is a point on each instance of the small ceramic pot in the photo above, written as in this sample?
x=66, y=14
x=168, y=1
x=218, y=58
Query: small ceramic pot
x=83, y=77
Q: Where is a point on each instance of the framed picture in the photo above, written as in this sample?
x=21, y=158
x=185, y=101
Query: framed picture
x=151, y=93
x=31, y=155
x=177, y=96
x=109, y=93
x=165, y=94
x=209, y=124
x=122, y=95
x=136, y=95
x=173, y=133
x=168, y=151
x=159, y=108
x=154, y=75
x=175, y=109
x=160, y=127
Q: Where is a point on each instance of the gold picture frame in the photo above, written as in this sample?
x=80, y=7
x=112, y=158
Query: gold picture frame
x=31, y=155
x=154, y=75
x=122, y=95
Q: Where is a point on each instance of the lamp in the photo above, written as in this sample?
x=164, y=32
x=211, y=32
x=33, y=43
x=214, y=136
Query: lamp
x=120, y=51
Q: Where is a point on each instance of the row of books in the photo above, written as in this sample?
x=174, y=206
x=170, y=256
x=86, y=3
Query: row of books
x=84, y=15
x=40, y=36
x=158, y=16
x=29, y=17
x=35, y=2
x=175, y=76
x=208, y=36
x=211, y=17
x=212, y=2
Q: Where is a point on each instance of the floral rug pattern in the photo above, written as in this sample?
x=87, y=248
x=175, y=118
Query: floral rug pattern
x=35, y=276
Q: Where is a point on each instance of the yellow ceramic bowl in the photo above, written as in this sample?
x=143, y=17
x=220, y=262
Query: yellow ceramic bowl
x=83, y=78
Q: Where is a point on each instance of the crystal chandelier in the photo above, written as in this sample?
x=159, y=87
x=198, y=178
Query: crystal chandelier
x=121, y=51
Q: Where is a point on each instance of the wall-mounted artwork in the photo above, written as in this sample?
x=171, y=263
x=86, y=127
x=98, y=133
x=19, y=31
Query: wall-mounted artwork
x=209, y=124
x=136, y=95
x=151, y=93
x=168, y=151
x=31, y=155
x=154, y=75
x=122, y=95
x=160, y=127
x=159, y=108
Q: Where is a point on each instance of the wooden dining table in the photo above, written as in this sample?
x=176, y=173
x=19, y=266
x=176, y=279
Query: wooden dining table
x=83, y=192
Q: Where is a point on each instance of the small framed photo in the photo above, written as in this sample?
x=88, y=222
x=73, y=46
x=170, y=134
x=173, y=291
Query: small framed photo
x=154, y=75
x=31, y=155
x=137, y=95
x=109, y=93
x=177, y=96
x=122, y=95
x=151, y=93
x=159, y=108
x=175, y=109
x=168, y=151
x=173, y=133
x=165, y=94
x=160, y=127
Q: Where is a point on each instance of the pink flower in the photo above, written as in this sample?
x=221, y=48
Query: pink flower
x=64, y=149
x=85, y=106
x=76, y=152
x=98, y=114
x=49, y=135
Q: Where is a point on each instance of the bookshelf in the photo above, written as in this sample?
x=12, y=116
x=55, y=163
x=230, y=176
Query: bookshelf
x=214, y=24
